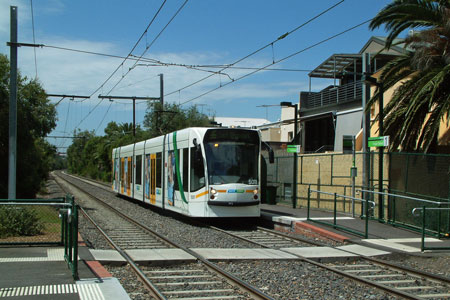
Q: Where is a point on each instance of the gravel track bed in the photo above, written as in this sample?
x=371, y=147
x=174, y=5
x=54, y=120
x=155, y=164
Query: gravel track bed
x=434, y=264
x=285, y=280
x=134, y=288
x=178, y=230
x=289, y=280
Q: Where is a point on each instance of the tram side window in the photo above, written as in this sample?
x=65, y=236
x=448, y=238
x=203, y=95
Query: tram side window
x=158, y=170
x=197, y=170
x=185, y=169
x=139, y=169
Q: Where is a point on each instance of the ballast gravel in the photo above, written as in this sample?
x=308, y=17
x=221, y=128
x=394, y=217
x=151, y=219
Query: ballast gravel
x=300, y=280
x=277, y=278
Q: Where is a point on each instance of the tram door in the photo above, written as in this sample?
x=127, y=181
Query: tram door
x=122, y=175
x=153, y=179
x=129, y=175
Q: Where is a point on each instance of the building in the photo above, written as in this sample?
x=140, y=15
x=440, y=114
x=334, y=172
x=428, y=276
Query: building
x=240, y=122
x=337, y=109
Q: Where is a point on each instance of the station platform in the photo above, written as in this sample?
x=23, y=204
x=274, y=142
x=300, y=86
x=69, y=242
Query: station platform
x=380, y=235
x=42, y=273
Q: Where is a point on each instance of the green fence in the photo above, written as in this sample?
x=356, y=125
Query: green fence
x=367, y=205
x=39, y=222
x=415, y=175
x=425, y=213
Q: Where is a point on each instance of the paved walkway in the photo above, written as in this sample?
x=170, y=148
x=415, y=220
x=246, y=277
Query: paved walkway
x=380, y=235
x=42, y=273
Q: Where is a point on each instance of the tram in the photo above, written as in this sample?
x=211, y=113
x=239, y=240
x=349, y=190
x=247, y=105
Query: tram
x=197, y=172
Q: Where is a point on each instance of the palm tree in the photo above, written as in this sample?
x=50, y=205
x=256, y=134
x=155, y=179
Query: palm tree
x=422, y=101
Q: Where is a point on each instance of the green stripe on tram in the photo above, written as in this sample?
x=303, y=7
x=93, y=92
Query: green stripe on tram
x=177, y=167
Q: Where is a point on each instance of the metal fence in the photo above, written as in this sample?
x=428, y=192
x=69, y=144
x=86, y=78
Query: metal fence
x=421, y=176
x=366, y=204
x=332, y=96
x=42, y=221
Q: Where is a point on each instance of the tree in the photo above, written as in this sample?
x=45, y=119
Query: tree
x=91, y=155
x=161, y=120
x=36, y=118
x=422, y=102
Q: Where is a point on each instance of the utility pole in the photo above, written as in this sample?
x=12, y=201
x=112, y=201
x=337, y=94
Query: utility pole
x=13, y=107
x=161, y=90
x=134, y=98
x=366, y=133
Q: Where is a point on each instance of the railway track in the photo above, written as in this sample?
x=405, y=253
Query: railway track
x=394, y=279
x=199, y=280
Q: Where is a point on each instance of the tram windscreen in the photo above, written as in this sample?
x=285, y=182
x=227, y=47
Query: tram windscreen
x=232, y=156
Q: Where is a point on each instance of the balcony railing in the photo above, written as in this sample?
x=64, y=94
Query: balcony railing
x=332, y=96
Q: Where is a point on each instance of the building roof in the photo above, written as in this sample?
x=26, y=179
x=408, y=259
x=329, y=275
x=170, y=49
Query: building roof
x=335, y=66
x=240, y=122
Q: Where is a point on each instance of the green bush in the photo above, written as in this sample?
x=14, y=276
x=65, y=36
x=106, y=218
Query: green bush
x=19, y=221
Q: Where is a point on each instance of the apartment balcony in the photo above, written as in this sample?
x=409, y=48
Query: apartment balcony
x=331, y=96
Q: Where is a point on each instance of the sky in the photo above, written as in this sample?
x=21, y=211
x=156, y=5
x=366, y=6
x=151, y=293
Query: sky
x=194, y=39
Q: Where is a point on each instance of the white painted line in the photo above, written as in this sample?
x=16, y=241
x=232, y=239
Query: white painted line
x=34, y=291
x=55, y=254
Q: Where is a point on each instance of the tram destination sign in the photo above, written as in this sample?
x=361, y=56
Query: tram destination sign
x=378, y=141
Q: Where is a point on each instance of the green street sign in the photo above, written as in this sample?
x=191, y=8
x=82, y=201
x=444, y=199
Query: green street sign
x=378, y=141
x=293, y=148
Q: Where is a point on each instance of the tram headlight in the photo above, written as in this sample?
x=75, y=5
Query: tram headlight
x=255, y=194
x=212, y=194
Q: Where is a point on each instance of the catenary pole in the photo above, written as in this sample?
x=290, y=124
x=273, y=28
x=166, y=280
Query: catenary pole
x=161, y=90
x=13, y=107
x=133, y=98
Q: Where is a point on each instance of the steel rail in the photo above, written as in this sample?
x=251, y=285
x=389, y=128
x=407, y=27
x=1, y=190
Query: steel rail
x=235, y=281
x=147, y=283
x=343, y=273
x=388, y=289
x=363, y=280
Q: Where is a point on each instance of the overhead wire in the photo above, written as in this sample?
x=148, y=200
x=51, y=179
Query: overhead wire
x=131, y=51
x=143, y=53
x=278, y=61
x=65, y=124
x=121, y=64
x=149, y=46
x=104, y=116
x=260, y=49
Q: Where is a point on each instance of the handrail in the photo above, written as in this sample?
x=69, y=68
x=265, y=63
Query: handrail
x=405, y=197
x=424, y=209
x=364, y=234
x=334, y=95
x=68, y=213
x=413, y=211
x=347, y=197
